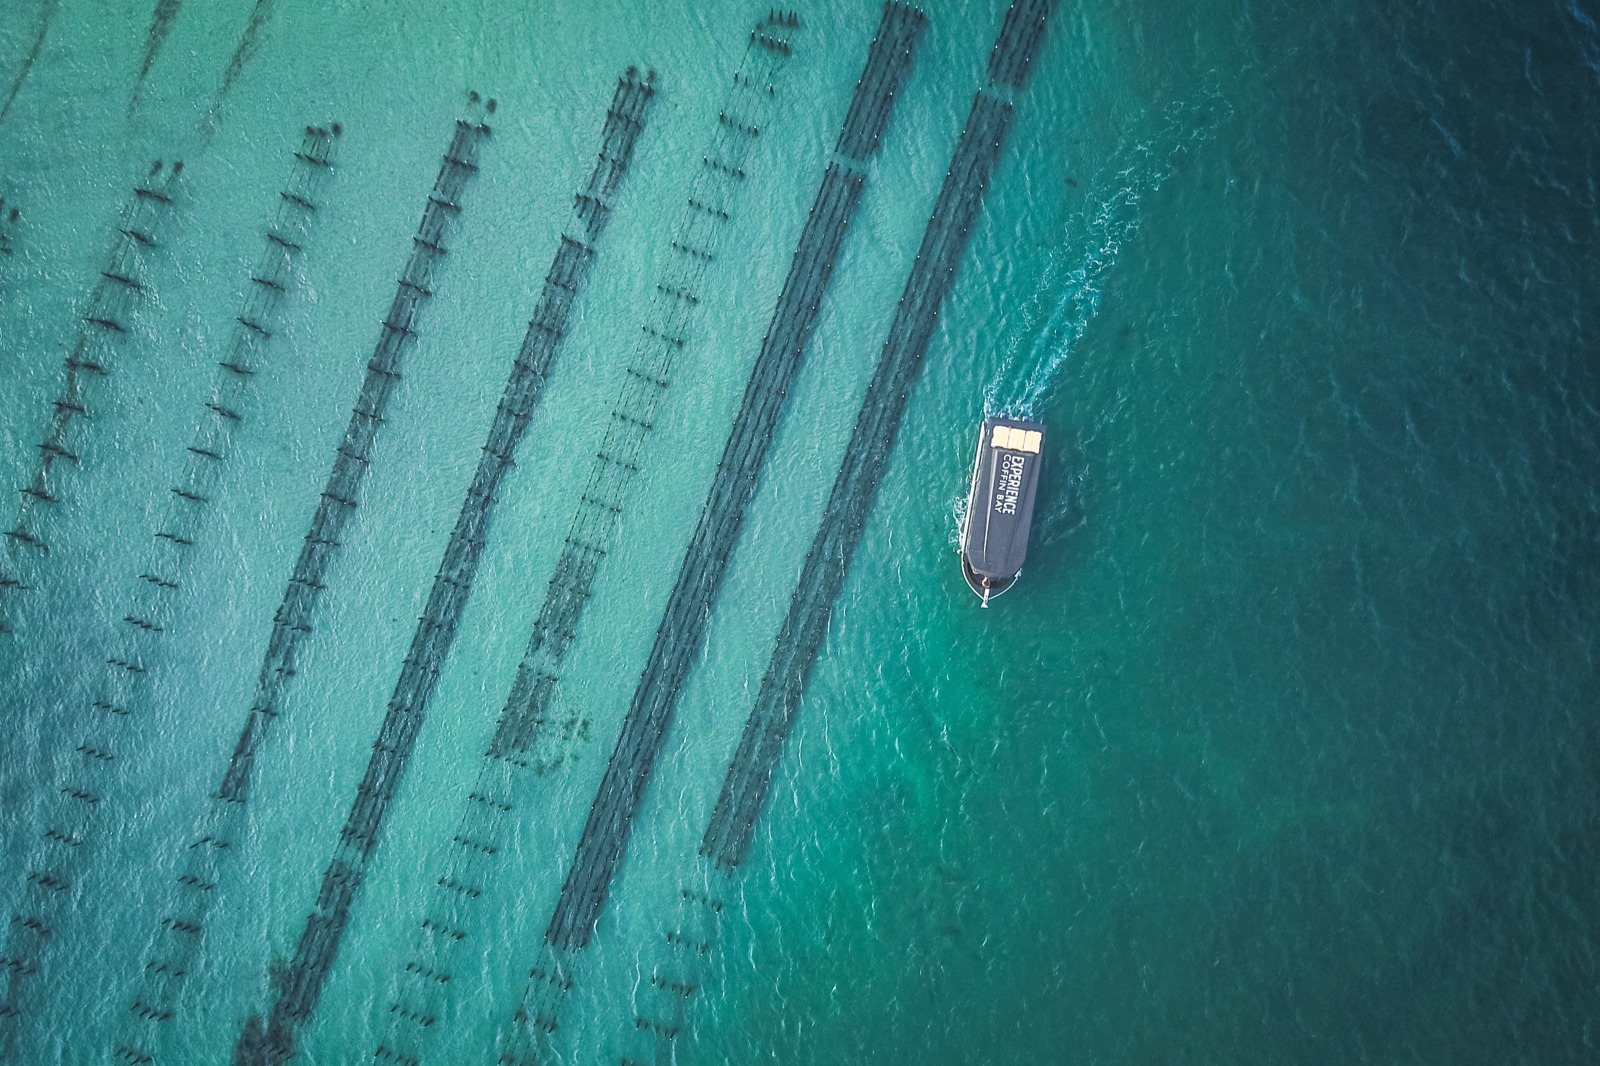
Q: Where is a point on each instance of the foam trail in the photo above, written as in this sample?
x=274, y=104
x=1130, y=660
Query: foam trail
x=957, y=505
x=1077, y=296
x=1071, y=288
x=47, y=14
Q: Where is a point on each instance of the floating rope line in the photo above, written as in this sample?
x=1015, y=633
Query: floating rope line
x=47, y=14
x=162, y=17
x=524, y=736
x=87, y=777
x=469, y=858
x=66, y=449
x=662, y=1004
x=855, y=488
x=678, y=637
x=705, y=563
x=10, y=220
x=452, y=585
x=661, y=1007
x=120, y=703
x=854, y=492
x=340, y=495
x=424, y=984
x=1021, y=34
x=10, y=214
x=338, y=501
x=243, y=52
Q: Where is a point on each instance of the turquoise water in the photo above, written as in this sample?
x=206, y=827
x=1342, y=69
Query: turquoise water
x=1283, y=749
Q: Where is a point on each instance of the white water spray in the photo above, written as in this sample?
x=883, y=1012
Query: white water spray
x=1075, y=277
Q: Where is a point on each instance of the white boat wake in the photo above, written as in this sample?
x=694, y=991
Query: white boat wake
x=1068, y=297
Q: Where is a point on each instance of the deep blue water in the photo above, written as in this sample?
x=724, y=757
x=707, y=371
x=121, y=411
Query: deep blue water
x=1284, y=749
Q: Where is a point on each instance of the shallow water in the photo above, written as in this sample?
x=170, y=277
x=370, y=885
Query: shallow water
x=1283, y=749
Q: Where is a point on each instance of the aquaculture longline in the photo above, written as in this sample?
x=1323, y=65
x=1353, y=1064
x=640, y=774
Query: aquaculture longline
x=336, y=506
x=87, y=388
x=433, y=949
x=705, y=563
x=526, y=737
x=143, y=629
x=661, y=1009
x=116, y=711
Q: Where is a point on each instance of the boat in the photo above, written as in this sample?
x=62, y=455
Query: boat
x=1005, y=477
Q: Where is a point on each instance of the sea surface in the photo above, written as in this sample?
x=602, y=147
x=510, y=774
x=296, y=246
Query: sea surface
x=1283, y=750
